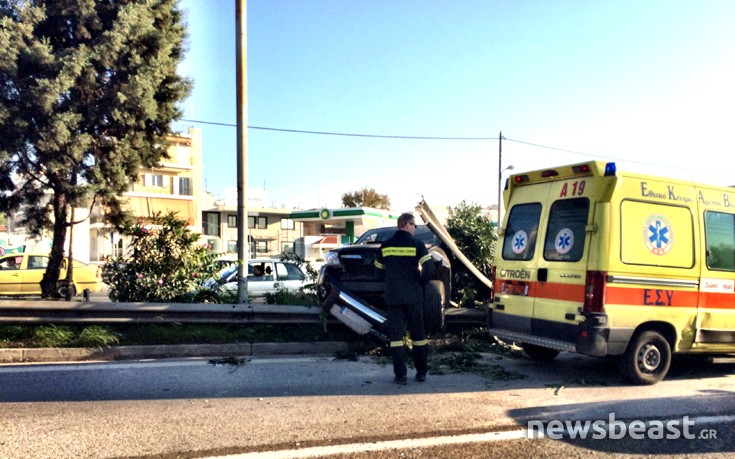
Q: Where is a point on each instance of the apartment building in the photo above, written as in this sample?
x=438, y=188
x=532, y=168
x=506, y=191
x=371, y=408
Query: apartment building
x=175, y=185
x=270, y=230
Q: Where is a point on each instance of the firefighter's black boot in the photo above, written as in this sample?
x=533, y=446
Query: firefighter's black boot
x=420, y=359
x=398, y=354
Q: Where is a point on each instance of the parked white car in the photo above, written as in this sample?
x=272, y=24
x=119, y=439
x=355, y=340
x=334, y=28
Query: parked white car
x=266, y=276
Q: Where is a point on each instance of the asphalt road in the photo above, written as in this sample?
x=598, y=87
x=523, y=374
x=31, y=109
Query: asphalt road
x=282, y=406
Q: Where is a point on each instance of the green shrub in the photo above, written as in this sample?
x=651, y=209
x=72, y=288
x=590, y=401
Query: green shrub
x=52, y=336
x=14, y=333
x=283, y=296
x=476, y=237
x=97, y=336
x=164, y=262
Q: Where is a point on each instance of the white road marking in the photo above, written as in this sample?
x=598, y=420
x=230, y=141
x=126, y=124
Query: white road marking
x=381, y=446
x=521, y=434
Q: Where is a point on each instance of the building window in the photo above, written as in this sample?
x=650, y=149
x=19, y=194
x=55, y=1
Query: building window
x=153, y=180
x=185, y=186
x=287, y=247
x=261, y=246
x=258, y=222
x=211, y=224
x=287, y=224
x=232, y=246
x=232, y=221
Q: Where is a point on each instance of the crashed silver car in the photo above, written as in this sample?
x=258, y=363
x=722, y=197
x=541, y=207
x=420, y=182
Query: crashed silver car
x=352, y=288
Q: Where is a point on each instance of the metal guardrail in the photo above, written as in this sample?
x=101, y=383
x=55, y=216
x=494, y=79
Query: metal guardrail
x=37, y=311
x=108, y=312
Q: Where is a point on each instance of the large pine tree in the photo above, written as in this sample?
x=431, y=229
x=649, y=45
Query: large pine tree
x=88, y=89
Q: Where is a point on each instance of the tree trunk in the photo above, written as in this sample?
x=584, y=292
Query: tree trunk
x=56, y=257
x=70, y=259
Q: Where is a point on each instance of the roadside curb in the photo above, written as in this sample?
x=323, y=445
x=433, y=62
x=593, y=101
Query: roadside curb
x=50, y=355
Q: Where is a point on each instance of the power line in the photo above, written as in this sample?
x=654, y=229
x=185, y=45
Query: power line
x=377, y=136
x=554, y=148
x=380, y=136
x=344, y=134
x=642, y=163
x=212, y=123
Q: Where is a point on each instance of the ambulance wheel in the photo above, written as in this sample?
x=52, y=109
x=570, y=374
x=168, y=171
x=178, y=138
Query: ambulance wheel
x=434, y=306
x=539, y=352
x=647, y=359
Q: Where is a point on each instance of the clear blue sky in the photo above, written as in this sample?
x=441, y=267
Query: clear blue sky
x=649, y=84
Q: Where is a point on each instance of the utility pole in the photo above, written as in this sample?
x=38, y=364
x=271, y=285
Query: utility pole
x=500, y=173
x=243, y=244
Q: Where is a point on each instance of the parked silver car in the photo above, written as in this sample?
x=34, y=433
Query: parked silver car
x=266, y=276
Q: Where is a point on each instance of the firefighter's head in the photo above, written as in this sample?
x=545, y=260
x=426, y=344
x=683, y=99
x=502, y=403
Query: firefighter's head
x=407, y=222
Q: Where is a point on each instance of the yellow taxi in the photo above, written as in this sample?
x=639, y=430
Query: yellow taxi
x=21, y=274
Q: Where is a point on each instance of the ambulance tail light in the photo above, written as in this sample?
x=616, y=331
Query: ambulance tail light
x=594, y=291
x=549, y=173
x=581, y=169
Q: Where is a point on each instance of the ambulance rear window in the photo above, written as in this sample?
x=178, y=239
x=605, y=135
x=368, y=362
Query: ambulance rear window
x=566, y=230
x=520, y=234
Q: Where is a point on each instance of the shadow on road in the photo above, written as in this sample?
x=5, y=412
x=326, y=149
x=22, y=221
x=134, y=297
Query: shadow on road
x=651, y=426
x=319, y=376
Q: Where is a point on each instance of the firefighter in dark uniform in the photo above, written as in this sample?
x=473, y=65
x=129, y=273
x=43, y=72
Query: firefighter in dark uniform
x=408, y=268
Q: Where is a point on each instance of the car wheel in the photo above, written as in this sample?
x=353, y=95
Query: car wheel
x=443, y=274
x=433, y=306
x=539, y=352
x=62, y=290
x=647, y=359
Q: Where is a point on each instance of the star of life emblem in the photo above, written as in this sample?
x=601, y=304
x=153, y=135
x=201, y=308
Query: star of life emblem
x=658, y=235
x=520, y=241
x=564, y=241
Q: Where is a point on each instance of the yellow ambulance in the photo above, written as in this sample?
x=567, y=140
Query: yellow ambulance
x=606, y=263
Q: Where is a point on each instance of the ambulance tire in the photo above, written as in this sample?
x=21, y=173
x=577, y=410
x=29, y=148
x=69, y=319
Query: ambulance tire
x=647, y=359
x=539, y=352
x=434, y=306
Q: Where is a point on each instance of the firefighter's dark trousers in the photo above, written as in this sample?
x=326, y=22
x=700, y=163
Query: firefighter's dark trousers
x=401, y=317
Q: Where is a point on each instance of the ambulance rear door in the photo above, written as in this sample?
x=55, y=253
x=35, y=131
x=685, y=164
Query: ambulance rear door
x=517, y=261
x=541, y=268
x=562, y=259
